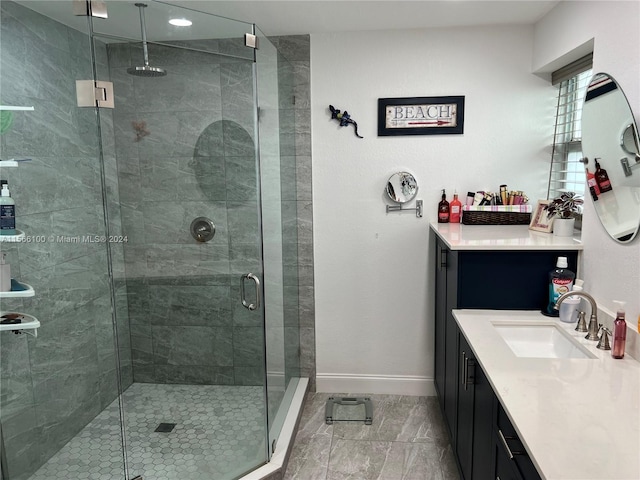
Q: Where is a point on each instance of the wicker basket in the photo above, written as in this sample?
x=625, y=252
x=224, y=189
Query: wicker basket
x=470, y=217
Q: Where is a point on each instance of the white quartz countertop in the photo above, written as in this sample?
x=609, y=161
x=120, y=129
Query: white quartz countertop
x=501, y=237
x=578, y=418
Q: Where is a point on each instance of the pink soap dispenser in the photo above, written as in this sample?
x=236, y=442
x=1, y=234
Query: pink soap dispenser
x=619, y=332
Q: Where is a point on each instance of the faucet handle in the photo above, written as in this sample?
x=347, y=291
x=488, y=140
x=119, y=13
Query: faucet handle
x=582, y=323
x=603, y=344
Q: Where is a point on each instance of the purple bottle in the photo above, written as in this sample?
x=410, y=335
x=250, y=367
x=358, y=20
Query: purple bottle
x=619, y=332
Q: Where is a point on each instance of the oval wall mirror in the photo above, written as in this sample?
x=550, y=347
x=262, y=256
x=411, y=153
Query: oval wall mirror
x=610, y=136
x=401, y=187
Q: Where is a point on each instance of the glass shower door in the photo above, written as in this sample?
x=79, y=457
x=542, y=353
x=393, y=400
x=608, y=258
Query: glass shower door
x=276, y=127
x=185, y=146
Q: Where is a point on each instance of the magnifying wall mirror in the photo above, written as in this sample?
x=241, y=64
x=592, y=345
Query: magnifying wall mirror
x=610, y=135
x=402, y=187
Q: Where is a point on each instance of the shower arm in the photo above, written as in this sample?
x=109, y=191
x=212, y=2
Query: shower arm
x=143, y=29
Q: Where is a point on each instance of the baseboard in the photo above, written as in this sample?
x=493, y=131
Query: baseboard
x=375, y=384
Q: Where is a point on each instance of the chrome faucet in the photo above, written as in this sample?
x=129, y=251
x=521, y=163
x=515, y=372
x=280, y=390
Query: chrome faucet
x=594, y=327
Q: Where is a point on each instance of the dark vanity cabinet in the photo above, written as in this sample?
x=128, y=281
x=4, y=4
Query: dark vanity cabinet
x=481, y=279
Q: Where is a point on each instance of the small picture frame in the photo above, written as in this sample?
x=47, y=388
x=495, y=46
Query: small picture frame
x=539, y=220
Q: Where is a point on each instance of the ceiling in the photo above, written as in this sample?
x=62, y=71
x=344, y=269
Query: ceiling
x=291, y=17
x=313, y=16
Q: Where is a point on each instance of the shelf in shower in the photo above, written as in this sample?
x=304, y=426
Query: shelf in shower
x=16, y=108
x=13, y=162
x=28, y=291
x=29, y=324
x=13, y=238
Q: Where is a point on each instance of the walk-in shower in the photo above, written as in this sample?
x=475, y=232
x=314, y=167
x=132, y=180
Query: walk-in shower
x=146, y=361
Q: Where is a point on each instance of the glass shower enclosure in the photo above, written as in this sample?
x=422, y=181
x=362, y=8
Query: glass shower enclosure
x=154, y=262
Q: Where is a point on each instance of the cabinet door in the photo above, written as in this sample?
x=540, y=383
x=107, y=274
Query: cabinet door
x=465, y=433
x=484, y=417
x=451, y=347
x=440, y=321
x=510, y=443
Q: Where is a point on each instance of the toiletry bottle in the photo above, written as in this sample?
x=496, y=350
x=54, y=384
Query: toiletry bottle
x=619, y=332
x=470, y=196
x=593, y=185
x=602, y=178
x=456, y=209
x=503, y=194
x=443, y=209
x=577, y=287
x=5, y=274
x=7, y=211
x=560, y=282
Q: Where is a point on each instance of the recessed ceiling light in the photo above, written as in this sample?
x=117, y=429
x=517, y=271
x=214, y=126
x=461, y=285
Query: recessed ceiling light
x=180, y=22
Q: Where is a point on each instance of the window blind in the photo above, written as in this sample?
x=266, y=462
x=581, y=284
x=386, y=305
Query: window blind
x=567, y=171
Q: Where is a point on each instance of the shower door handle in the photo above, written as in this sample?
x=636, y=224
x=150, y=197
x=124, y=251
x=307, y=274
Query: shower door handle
x=256, y=282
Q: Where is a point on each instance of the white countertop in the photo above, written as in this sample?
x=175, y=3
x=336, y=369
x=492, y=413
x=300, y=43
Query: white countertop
x=501, y=237
x=579, y=419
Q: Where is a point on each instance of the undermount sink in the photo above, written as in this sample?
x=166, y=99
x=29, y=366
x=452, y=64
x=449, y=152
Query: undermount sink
x=540, y=340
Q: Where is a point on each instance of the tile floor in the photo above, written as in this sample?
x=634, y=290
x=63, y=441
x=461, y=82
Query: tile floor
x=219, y=434
x=407, y=441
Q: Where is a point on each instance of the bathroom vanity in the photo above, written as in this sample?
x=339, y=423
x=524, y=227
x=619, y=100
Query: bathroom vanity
x=485, y=267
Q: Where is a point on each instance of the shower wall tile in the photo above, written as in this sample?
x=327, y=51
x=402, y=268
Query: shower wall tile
x=248, y=345
x=208, y=305
x=207, y=375
x=293, y=47
x=192, y=346
x=192, y=157
x=71, y=366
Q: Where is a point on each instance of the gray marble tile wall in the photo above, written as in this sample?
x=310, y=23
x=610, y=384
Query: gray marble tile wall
x=296, y=49
x=197, y=159
x=53, y=385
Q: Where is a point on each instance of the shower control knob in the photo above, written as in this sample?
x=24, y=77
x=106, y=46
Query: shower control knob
x=202, y=229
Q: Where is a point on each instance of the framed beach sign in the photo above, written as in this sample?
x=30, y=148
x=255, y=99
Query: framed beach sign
x=421, y=116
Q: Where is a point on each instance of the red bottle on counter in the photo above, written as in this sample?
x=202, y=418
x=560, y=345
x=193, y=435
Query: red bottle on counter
x=455, y=209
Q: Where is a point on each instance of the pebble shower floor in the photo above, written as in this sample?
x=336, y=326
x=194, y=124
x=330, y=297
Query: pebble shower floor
x=219, y=433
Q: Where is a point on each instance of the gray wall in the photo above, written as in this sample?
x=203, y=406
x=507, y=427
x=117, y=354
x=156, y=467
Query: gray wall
x=54, y=384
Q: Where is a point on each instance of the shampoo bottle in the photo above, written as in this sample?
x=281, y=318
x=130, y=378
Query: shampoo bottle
x=5, y=274
x=619, y=332
x=443, y=209
x=7, y=211
x=456, y=209
x=560, y=282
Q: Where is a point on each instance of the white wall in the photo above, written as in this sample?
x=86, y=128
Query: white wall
x=373, y=284
x=611, y=270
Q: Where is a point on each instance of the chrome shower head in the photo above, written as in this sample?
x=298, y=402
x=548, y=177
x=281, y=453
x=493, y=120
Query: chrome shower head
x=146, y=70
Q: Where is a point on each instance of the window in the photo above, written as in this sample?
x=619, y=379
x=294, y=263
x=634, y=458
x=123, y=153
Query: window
x=567, y=171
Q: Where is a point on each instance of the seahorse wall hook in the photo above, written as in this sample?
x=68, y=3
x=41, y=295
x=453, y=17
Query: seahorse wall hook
x=344, y=118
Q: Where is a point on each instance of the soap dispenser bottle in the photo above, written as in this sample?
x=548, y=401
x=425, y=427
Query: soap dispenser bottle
x=602, y=178
x=7, y=211
x=619, y=332
x=5, y=274
x=443, y=209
